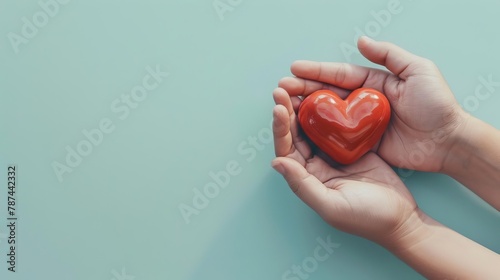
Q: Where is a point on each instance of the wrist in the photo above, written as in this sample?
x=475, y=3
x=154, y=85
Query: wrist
x=437, y=252
x=414, y=230
x=460, y=144
x=474, y=160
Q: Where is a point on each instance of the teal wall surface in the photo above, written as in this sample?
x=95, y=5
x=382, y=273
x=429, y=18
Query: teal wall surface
x=173, y=92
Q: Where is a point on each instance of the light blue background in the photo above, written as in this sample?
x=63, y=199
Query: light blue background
x=119, y=208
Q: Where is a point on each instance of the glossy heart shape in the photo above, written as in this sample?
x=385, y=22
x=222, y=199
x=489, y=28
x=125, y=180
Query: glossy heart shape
x=345, y=129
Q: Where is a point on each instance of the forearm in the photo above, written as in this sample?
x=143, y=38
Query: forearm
x=438, y=252
x=474, y=160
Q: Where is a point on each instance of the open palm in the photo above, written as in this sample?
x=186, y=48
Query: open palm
x=425, y=114
x=366, y=198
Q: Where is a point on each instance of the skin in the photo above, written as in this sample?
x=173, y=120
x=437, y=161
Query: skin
x=367, y=198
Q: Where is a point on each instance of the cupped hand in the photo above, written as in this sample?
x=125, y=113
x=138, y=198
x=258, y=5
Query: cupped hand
x=366, y=198
x=426, y=120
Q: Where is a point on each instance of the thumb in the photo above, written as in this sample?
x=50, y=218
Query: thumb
x=306, y=186
x=394, y=58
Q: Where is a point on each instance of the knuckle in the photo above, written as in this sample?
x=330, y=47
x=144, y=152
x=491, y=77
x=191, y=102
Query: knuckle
x=340, y=74
x=428, y=63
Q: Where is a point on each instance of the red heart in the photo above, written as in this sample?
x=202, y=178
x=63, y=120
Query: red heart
x=345, y=130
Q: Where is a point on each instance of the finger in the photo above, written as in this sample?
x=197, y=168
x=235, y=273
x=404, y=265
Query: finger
x=343, y=75
x=297, y=86
x=281, y=96
x=394, y=58
x=283, y=144
x=306, y=186
x=296, y=103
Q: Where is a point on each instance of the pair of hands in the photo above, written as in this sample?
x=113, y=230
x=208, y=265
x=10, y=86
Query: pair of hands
x=368, y=198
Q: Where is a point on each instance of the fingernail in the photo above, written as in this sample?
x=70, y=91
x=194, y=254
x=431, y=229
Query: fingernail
x=278, y=167
x=367, y=39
